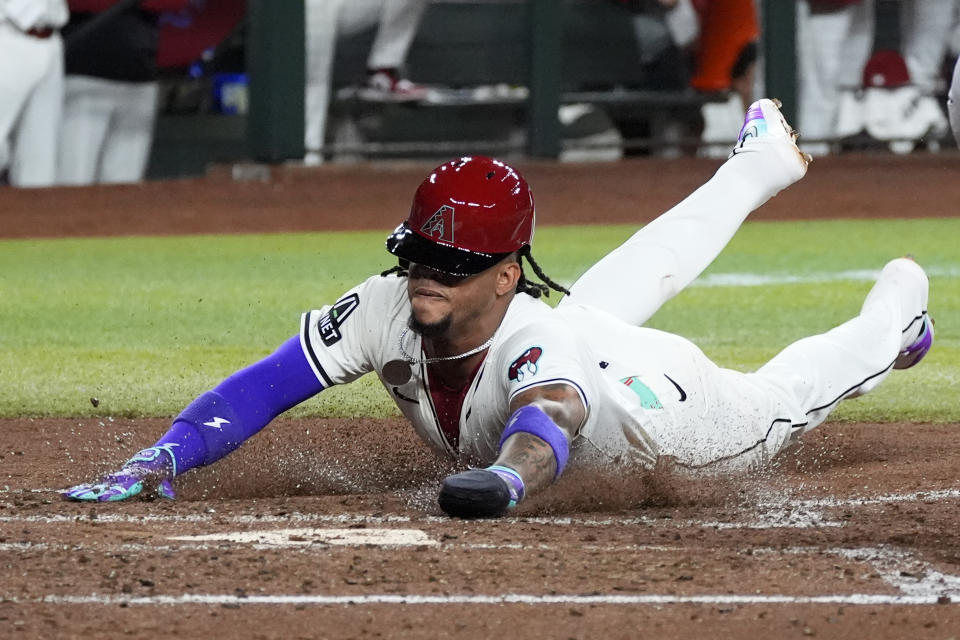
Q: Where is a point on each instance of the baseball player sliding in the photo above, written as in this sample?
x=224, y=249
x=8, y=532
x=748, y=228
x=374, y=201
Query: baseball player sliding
x=491, y=376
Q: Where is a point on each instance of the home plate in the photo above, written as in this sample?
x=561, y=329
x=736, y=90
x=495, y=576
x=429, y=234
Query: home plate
x=298, y=537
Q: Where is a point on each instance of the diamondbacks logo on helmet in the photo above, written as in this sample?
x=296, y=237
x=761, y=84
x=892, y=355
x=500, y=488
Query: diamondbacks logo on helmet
x=525, y=365
x=440, y=225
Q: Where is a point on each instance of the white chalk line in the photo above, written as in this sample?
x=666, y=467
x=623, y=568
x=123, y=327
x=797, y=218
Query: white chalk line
x=749, y=279
x=916, y=582
x=866, y=599
x=754, y=279
x=390, y=537
x=322, y=547
x=901, y=570
x=890, y=498
x=788, y=513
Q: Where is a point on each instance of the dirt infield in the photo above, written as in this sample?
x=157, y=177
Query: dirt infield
x=853, y=535
x=378, y=197
x=329, y=528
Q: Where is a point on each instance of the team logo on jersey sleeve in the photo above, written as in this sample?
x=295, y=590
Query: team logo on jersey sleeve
x=330, y=323
x=440, y=225
x=526, y=365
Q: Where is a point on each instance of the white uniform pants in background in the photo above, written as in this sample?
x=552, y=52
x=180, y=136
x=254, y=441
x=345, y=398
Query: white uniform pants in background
x=107, y=130
x=953, y=102
x=326, y=20
x=832, y=49
x=926, y=27
x=31, y=101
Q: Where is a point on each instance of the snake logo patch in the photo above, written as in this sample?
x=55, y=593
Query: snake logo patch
x=440, y=225
x=330, y=323
x=525, y=365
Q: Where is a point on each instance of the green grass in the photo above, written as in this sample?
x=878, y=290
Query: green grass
x=146, y=324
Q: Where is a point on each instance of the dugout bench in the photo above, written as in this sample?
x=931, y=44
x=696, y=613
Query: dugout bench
x=479, y=52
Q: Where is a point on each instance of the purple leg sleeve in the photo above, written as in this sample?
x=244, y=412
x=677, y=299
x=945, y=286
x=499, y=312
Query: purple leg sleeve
x=185, y=444
x=218, y=421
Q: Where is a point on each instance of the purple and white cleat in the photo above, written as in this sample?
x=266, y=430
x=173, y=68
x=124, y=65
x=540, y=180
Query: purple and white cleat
x=765, y=129
x=763, y=120
x=915, y=352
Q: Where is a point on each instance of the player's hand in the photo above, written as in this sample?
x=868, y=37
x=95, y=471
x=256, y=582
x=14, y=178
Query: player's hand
x=147, y=474
x=477, y=493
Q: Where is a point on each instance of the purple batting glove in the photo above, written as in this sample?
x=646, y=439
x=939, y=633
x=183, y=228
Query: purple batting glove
x=151, y=469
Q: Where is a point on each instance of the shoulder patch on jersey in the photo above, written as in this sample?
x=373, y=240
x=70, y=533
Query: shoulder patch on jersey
x=526, y=364
x=330, y=323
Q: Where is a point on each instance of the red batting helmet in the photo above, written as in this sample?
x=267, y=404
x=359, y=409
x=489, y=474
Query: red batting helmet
x=468, y=214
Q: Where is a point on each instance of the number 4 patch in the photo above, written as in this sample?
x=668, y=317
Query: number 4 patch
x=332, y=320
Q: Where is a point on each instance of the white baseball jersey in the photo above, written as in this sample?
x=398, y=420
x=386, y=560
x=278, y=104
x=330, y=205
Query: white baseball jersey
x=595, y=353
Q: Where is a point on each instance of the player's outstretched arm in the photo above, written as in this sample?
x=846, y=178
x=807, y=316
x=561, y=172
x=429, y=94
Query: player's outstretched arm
x=212, y=426
x=533, y=453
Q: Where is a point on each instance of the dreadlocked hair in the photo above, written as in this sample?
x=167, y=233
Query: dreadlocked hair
x=400, y=269
x=535, y=289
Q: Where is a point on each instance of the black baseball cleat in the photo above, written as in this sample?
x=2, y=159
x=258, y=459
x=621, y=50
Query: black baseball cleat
x=476, y=493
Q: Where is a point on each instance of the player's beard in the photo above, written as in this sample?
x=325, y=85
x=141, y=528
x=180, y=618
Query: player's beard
x=431, y=330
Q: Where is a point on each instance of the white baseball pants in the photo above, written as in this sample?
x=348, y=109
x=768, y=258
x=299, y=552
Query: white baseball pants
x=728, y=419
x=107, y=130
x=953, y=102
x=325, y=21
x=31, y=102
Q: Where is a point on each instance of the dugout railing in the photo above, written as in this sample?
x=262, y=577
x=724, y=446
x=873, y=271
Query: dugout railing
x=560, y=51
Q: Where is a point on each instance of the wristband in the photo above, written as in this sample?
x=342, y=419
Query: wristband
x=151, y=458
x=514, y=483
x=531, y=419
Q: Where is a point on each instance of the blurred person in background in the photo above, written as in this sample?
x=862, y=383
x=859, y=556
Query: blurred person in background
x=31, y=89
x=397, y=22
x=727, y=48
x=834, y=40
x=111, y=86
x=717, y=41
x=849, y=83
x=662, y=27
x=953, y=102
x=726, y=60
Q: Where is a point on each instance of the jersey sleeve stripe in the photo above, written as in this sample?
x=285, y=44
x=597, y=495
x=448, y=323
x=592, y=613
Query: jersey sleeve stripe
x=540, y=383
x=311, y=354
